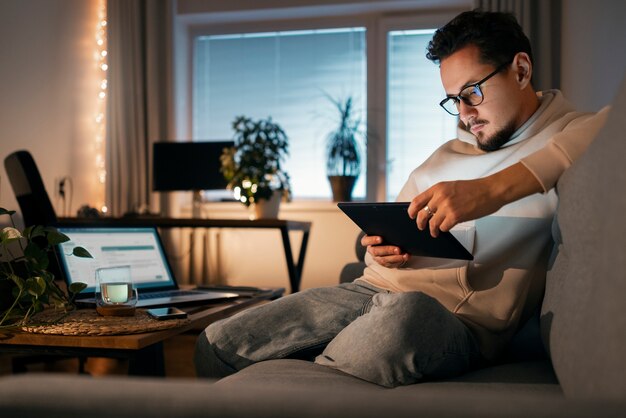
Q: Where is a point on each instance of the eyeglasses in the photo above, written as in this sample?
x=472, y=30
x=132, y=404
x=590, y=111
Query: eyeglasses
x=471, y=95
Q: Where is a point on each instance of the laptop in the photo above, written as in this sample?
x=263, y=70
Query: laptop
x=141, y=249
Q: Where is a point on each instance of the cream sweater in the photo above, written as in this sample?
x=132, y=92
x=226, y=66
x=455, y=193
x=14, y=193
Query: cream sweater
x=505, y=281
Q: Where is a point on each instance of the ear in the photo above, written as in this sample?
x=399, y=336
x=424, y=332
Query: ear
x=523, y=68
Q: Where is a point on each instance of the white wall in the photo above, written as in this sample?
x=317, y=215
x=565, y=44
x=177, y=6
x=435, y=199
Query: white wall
x=49, y=92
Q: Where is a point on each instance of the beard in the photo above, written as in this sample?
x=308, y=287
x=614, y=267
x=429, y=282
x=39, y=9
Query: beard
x=497, y=140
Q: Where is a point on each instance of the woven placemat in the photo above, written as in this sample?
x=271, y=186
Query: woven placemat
x=88, y=322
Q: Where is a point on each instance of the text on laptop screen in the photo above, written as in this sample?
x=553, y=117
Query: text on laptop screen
x=139, y=248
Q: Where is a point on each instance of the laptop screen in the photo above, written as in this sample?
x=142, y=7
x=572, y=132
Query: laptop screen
x=139, y=248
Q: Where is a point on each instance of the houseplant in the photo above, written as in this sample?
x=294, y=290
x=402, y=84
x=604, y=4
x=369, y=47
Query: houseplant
x=26, y=284
x=343, y=156
x=253, y=166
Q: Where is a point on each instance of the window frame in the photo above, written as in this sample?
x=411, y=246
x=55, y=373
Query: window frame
x=377, y=26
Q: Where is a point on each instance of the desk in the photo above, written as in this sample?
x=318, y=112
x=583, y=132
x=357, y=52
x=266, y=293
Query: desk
x=294, y=269
x=144, y=351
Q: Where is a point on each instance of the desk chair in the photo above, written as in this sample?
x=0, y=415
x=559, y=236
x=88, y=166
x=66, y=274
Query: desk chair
x=29, y=190
x=31, y=194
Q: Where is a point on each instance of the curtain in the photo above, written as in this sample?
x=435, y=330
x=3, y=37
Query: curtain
x=139, y=89
x=541, y=21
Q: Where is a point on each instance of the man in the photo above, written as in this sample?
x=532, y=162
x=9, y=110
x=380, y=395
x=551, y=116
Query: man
x=410, y=319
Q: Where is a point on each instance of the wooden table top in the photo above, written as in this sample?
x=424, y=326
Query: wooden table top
x=200, y=318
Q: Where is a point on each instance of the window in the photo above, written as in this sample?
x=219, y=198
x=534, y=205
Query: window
x=416, y=125
x=258, y=67
x=288, y=76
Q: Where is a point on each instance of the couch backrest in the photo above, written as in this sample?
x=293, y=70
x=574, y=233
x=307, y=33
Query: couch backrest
x=583, y=318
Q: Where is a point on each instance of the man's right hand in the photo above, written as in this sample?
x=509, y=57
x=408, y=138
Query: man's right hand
x=452, y=202
x=386, y=255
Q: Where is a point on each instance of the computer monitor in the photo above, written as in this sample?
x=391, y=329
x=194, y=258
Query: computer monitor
x=188, y=166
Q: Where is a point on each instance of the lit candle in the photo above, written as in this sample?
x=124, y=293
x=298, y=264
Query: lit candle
x=116, y=292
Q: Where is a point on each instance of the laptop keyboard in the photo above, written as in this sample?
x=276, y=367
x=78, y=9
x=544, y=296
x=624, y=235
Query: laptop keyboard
x=166, y=294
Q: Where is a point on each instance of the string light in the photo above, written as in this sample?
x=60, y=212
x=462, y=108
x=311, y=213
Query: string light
x=100, y=57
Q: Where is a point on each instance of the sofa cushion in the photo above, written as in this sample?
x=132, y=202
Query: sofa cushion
x=294, y=373
x=583, y=321
x=524, y=377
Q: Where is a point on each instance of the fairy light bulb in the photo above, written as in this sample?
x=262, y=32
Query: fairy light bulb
x=100, y=55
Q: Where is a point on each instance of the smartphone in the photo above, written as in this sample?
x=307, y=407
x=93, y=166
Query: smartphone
x=167, y=313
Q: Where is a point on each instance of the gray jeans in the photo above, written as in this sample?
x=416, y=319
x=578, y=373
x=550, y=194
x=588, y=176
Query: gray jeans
x=386, y=338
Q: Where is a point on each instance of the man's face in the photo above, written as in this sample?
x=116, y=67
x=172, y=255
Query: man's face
x=495, y=119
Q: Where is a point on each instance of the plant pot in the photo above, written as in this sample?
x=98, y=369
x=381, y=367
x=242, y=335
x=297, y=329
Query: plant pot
x=342, y=187
x=266, y=209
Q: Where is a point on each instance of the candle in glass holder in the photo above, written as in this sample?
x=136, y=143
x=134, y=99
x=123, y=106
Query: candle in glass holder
x=116, y=292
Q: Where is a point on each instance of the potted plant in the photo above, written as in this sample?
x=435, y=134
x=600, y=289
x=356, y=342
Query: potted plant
x=26, y=284
x=253, y=166
x=343, y=163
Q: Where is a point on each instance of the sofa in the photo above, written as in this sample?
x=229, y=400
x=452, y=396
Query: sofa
x=568, y=361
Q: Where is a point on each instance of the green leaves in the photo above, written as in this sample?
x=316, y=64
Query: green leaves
x=81, y=252
x=254, y=164
x=28, y=286
x=34, y=231
x=19, y=282
x=343, y=153
x=4, y=211
x=36, y=256
x=77, y=287
x=55, y=237
x=10, y=234
x=36, y=286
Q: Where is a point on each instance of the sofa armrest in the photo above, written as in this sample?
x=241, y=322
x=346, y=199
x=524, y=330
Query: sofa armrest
x=354, y=270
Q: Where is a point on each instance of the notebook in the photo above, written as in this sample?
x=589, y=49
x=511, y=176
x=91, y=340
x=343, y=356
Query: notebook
x=391, y=222
x=139, y=248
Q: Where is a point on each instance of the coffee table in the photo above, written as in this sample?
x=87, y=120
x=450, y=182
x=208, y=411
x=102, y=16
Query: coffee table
x=143, y=351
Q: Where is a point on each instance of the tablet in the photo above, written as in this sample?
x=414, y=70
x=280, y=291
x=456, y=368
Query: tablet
x=391, y=222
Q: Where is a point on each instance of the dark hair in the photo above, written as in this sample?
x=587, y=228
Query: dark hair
x=497, y=35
